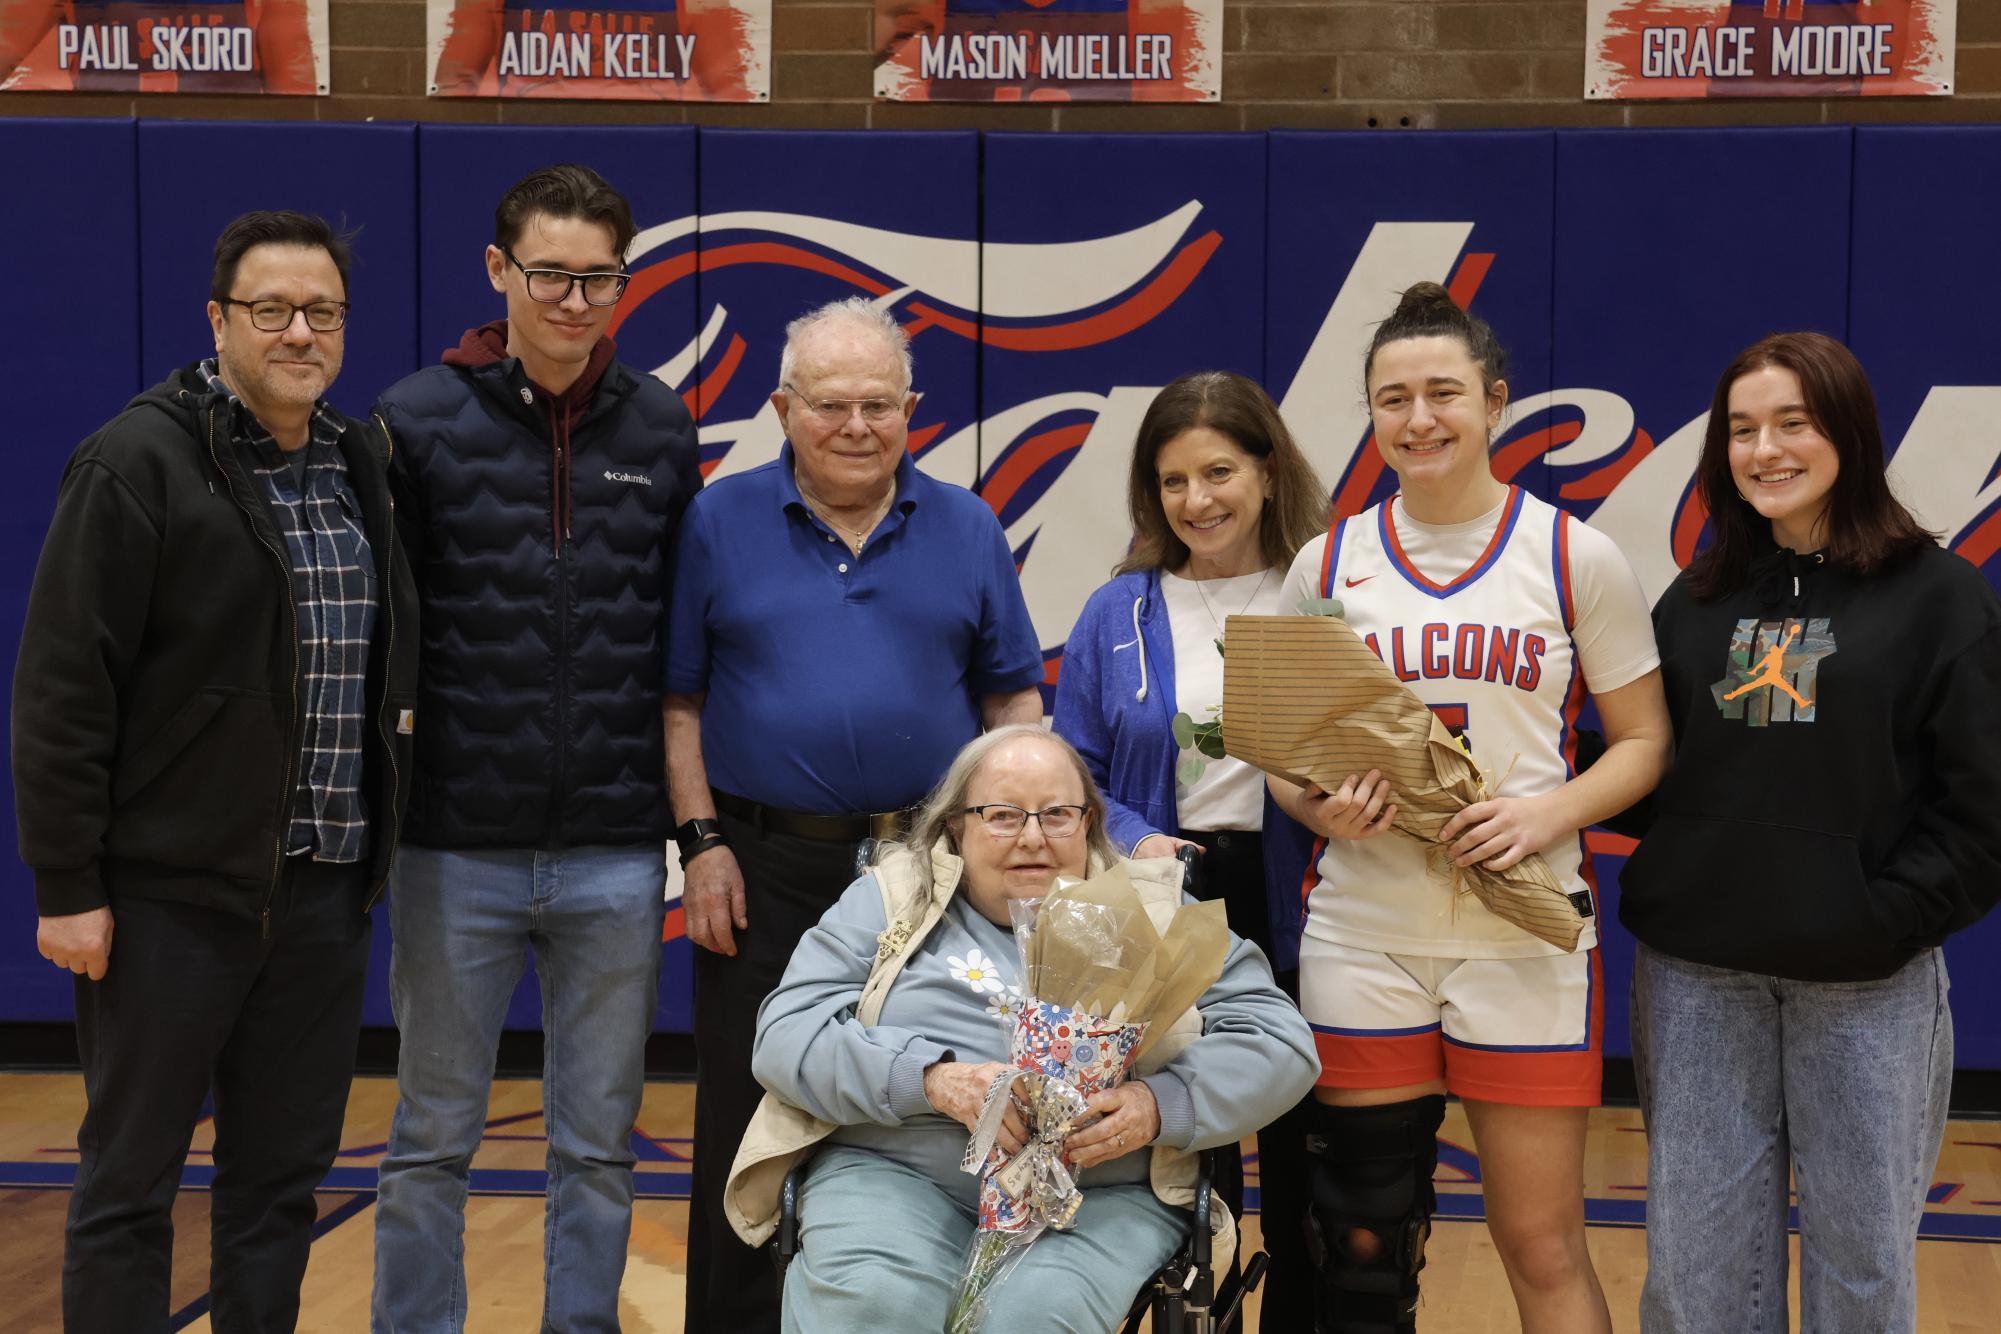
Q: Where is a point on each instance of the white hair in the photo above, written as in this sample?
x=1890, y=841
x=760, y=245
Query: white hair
x=863, y=314
x=947, y=801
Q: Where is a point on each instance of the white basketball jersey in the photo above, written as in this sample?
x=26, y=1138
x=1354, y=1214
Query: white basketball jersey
x=1491, y=653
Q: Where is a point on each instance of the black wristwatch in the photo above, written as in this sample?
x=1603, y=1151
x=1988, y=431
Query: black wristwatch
x=697, y=836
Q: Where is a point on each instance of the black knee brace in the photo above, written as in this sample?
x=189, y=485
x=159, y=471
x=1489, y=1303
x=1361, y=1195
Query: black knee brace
x=1371, y=1212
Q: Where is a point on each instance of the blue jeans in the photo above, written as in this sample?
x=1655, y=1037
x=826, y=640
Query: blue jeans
x=882, y=1246
x=1740, y=1076
x=461, y=922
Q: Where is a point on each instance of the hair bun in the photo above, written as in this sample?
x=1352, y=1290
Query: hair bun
x=1424, y=297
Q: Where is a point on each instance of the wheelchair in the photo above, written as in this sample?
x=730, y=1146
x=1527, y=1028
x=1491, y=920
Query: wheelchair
x=1183, y=1297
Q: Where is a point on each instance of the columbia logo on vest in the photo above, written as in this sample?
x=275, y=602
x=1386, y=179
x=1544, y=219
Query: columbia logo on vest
x=640, y=478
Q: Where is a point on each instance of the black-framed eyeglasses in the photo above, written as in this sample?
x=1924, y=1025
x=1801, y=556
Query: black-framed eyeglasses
x=276, y=316
x=552, y=286
x=836, y=411
x=1005, y=821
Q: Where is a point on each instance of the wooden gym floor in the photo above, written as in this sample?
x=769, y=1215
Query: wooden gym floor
x=1959, y=1260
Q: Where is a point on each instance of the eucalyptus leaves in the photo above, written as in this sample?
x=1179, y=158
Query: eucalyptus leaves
x=1204, y=741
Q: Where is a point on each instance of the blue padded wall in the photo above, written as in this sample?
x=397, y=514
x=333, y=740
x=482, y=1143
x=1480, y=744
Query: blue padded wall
x=1111, y=264
x=195, y=176
x=70, y=269
x=1621, y=268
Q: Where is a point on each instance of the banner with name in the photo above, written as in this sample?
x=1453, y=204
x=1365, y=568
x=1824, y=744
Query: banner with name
x=115, y=46
x=1049, y=50
x=631, y=50
x=1769, y=48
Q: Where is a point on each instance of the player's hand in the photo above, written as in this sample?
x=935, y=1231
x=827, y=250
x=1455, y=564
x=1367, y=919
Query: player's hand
x=80, y=942
x=1359, y=808
x=1498, y=833
x=712, y=900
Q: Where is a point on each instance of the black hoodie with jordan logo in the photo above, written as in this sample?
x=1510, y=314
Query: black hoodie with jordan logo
x=1834, y=804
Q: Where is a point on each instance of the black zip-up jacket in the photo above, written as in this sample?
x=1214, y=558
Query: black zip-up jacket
x=157, y=725
x=1829, y=843
x=540, y=528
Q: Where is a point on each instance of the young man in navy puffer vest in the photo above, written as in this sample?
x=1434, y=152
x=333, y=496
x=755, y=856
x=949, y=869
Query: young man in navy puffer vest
x=541, y=484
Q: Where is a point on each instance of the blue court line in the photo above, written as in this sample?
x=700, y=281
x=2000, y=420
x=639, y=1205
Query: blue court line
x=1600, y=1212
x=361, y=1180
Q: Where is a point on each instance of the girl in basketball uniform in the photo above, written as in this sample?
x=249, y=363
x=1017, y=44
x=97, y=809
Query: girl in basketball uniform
x=1503, y=614
x=1834, y=683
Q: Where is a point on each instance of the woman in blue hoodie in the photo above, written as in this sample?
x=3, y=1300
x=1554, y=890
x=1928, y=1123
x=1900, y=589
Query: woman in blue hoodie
x=1834, y=681
x=1221, y=499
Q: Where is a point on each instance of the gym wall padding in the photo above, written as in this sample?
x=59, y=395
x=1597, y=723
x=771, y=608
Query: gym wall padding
x=1052, y=283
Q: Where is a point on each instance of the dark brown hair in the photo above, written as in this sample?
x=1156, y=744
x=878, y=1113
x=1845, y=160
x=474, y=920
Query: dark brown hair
x=274, y=227
x=1426, y=310
x=566, y=190
x=1864, y=525
x=1238, y=407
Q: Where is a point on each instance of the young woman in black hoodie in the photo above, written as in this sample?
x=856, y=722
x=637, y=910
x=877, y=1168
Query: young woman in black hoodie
x=1834, y=679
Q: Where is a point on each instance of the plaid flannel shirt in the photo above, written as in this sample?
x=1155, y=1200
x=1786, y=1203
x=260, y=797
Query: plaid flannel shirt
x=333, y=584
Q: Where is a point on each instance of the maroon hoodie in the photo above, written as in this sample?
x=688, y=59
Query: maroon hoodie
x=488, y=344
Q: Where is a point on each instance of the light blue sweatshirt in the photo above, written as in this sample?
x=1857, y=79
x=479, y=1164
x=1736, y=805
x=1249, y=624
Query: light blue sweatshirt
x=1254, y=1060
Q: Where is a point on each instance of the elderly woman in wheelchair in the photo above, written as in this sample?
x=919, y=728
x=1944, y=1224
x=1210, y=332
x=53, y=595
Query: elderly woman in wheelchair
x=879, y=1045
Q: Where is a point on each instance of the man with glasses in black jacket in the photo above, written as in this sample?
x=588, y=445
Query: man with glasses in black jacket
x=212, y=720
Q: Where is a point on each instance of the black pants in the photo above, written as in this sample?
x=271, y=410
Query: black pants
x=195, y=1001
x=1233, y=870
x=789, y=883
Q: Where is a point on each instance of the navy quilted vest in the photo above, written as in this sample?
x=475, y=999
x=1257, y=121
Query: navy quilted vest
x=538, y=713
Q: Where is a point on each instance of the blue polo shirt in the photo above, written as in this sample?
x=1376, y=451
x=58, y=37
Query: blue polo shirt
x=835, y=682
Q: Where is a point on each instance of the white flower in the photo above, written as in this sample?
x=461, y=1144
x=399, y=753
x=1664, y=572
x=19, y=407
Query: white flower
x=976, y=971
x=1007, y=1005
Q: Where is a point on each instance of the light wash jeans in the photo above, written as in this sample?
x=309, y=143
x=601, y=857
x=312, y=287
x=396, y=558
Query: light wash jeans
x=1741, y=1075
x=461, y=923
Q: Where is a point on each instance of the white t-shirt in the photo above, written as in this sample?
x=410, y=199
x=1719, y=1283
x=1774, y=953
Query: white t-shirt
x=1501, y=624
x=1229, y=794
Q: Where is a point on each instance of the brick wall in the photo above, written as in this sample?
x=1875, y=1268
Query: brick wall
x=1330, y=64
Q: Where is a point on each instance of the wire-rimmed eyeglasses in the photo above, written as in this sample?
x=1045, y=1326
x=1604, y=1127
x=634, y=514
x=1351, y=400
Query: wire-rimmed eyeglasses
x=1007, y=821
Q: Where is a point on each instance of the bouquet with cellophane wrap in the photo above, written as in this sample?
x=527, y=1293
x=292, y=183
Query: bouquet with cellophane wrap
x=1100, y=984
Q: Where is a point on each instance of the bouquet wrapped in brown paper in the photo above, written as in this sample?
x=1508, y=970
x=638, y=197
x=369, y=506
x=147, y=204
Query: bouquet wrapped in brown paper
x=1102, y=984
x=1305, y=699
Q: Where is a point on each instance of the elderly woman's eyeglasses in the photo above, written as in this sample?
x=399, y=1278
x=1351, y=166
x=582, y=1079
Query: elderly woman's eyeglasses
x=553, y=286
x=1005, y=821
x=836, y=411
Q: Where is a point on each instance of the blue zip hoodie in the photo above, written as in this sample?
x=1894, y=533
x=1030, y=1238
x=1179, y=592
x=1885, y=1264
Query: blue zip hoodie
x=1115, y=704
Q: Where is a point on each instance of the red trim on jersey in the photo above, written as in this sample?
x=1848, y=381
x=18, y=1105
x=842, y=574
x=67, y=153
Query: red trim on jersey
x=1309, y=879
x=1510, y=512
x=1327, y=557
x=1563, y=594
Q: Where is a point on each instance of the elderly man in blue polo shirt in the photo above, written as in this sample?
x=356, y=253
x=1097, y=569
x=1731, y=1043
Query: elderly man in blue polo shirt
x=841, y=625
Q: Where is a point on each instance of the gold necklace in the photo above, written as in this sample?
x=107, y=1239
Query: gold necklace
x=858, y=537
